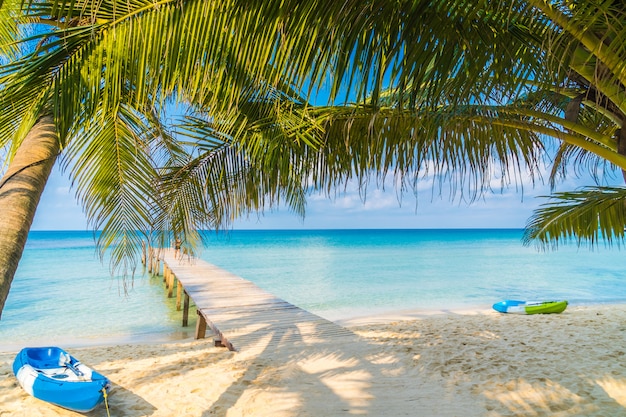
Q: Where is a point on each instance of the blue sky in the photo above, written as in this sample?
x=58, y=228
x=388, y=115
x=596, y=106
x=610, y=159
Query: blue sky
x=509, y=208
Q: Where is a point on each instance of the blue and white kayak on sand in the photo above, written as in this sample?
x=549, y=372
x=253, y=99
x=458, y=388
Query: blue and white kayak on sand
x=530, y=307
x=51, y=374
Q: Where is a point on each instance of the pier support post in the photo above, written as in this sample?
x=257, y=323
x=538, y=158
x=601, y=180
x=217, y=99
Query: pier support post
x=170, y=284
x=200, y=326
x=165, y=272
x=150, y=262
x=186, y=310
x=179, y=295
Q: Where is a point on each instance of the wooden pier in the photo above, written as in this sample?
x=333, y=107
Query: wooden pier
x=237, y=311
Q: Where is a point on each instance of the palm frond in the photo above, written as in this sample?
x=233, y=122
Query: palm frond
x=272, y=152
x=458, y=146
x=593, y=28
x=589, y=215
x=10, y=19
x=243, y=165
x=110, y=162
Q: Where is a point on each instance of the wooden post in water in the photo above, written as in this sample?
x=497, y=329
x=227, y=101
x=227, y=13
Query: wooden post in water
x=143, y=252
x=150, y=263
x=186, y=310
x=200, y=326
x=179, y=294
x=170, y=284
x=166, y=279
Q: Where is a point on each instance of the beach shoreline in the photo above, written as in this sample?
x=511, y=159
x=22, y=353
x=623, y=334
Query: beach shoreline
x=446, y=363
x=355, y=318
x=350, y=321
x=184, y=334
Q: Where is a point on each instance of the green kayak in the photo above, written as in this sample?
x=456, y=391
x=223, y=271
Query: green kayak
x=530, y=307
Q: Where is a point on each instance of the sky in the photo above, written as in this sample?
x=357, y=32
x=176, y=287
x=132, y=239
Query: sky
x=507, y=208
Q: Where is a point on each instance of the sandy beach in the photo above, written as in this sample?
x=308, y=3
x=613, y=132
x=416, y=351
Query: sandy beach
x=473, y=364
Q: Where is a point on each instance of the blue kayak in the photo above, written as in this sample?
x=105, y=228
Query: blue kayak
x=51, y=374
x=530, y=307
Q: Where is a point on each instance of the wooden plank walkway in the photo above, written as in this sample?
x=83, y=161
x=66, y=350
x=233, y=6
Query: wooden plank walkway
x=239, y=313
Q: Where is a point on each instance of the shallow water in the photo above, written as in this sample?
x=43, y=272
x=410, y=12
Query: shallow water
x=62, y=292
x=343, y=273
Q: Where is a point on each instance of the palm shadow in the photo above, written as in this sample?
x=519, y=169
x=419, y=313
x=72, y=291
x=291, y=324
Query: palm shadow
x=347, y=374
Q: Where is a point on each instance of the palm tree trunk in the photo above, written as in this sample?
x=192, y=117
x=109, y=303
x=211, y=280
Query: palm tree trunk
x=20, y=190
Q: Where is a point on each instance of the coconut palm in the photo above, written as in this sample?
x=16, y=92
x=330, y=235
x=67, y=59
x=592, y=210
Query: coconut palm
x=102, y=73
x=573, y=90
x=106, y=71
x=20, y=191
x=582, y=96
x=414, y=88
x=570, y=85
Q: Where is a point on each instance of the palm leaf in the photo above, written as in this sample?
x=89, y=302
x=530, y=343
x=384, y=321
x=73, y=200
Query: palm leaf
x=10, y=20
x=301, y=149
x=590, y=214
x=114, y=178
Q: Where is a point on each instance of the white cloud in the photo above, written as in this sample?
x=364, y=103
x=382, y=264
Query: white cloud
x=58, y=209
x=508, y=207
x=63, y=191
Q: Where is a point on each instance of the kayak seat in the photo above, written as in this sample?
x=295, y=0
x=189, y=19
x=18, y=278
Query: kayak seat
x=44, y=358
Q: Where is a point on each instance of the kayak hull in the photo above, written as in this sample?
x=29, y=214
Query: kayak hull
x=530, y=307
x=51, y=374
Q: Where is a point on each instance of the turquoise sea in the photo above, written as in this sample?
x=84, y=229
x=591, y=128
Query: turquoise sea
x=63, y=293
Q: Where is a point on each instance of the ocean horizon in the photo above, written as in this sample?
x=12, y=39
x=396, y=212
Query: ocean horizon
x=64, y=294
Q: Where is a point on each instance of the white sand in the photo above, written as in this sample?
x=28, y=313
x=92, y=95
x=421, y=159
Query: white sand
x=487, y=364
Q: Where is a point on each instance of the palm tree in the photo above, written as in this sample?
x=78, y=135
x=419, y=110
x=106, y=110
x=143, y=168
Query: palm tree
x=413, y=108
x=101, y=72
x=20, y=191
x=96, y=79
x=581, y=98
x=105, y=72
x=425, y=100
